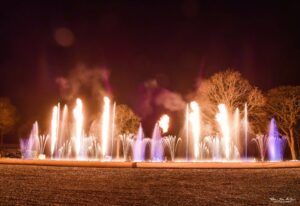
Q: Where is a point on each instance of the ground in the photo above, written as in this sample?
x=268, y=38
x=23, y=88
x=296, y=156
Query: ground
x=49, y=185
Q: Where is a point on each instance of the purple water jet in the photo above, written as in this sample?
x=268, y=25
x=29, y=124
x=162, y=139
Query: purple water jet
x=157, y=148
x=139, y=146
x=276, y=144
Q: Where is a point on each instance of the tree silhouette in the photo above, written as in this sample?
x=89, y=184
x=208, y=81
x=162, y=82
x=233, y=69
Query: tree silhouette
x=7, y=117
x=230, y=88
x=284, y=105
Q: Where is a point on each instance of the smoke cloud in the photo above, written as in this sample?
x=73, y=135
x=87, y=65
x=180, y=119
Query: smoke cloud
x=153, y=95
x=170, y=100
x=94, y=81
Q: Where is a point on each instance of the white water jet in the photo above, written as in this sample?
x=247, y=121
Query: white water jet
x=187, y=131
x=63, y=126
x=113, y=131
x=236, y=127
x=54, y=128
x=78, y=116
x=194, y=117
x=105, y=126
x=223, y=120
x=246, y=130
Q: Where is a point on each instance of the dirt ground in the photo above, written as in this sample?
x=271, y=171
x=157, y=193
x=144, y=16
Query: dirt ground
x=48, y=185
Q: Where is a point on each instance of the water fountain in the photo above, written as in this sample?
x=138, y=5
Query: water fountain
x=276, y=145
x=139, y=146
x=222, y=144
x=105, y=127
x=54, y=128
x=157, y=149
x=214, y=147
x=194, y=118
x=261, y=143
x=127, y=141
x=171, y=142
x=63, y=128
x=29, y=145
x=246, y=129
x=223, y=120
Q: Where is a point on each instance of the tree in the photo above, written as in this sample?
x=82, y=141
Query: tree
x=126, y=120
x=230, y=88
x=7, y=117
x=283, y=103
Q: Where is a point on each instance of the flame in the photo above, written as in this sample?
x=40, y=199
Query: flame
x=164, y=123
x=78, y=116
x=223, y=120
x=54, y=127
x=194, y=117
x=105, y=125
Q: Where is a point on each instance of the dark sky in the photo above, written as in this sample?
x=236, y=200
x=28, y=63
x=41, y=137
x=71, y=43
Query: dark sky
x=175, y=42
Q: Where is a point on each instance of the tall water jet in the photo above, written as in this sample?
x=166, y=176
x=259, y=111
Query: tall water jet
x=34, y=136
x=187, y=112
x=194, y=117
x=113, y=131
x=39, y=141
x=63, y=133
x=78, y=116
x=105, y=126
x=236, y=127
x=157, y=149
x=28, y=145
x=139, y=146
x=54, y=129
x=246, y=130
x=223, y=120
x=276, y=144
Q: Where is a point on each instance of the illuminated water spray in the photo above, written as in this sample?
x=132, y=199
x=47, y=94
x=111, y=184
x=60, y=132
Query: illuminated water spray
x=164, y=123
x=105, y=126
x=54, y=128
x=78, y=116
x=35, y=135
x=63, y=127
x=275, y=143
x=187, y=112
x=157, y=149
x=113, y=131
x=236, y=126
x=246, y=129
x=139, y=145
x=222, y=118
x=194, y=117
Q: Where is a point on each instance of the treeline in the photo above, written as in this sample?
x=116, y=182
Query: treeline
x=228, y=87
x=232, y=89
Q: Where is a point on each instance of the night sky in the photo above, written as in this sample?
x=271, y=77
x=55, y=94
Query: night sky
x=174, y=42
